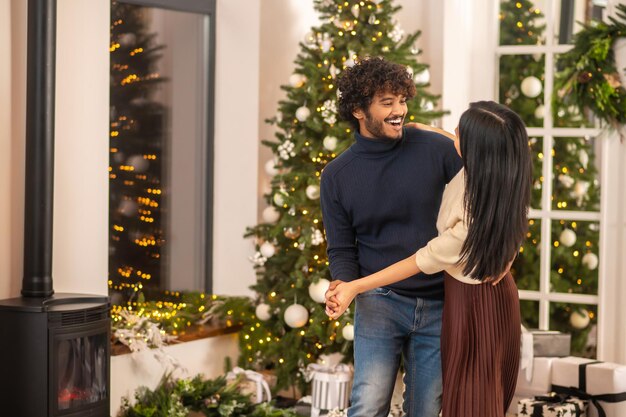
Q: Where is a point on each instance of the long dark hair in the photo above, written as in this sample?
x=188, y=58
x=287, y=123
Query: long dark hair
x=498, y=177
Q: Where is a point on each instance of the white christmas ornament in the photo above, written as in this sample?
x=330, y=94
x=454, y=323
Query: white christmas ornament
x=330, y=143
x=579, y=319
x=590, y=260
x=317, y=237
x=138, y=162
x=303, y=113
x=270, y=168
x=262, y=312
x=270, y=214
x=313, y=192
x=267, y=249
x=127, y=208
x=279, y=200
x=566, y=180
x=580, y=191
x=540, y=111
x=296, y=316
x=531, y=86
x=355, y=10
x=127, y=39
x=568, y=238
x=348, y=332
x=351, y=59
x=297, y=80
x=326, y=45
x=422, y=77
x=584, y=158
x=317, y=290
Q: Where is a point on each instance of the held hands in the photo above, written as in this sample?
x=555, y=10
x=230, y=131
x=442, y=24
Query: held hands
x=338, y=298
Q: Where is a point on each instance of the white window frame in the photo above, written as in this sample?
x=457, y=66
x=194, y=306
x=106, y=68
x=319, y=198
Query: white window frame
x=470, y=59
x=547, y=214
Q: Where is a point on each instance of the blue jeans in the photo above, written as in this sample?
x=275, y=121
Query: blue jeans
x=388, y=327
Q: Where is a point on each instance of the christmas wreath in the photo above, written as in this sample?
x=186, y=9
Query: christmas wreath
x=589, y=77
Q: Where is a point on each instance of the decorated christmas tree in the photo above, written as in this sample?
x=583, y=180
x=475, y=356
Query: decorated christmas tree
x=289, y=328
x=574, y=254
x=135, y=172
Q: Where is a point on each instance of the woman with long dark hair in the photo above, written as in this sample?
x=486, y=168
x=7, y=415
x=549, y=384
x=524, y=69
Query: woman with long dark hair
x=482, y=223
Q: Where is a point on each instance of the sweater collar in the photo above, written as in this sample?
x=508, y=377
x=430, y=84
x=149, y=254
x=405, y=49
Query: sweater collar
x=375, y=146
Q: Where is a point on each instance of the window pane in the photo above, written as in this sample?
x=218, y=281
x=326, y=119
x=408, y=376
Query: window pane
x=525, y=269
x=567, y=114
x=569, y=14
x=576, y=184
x=159, y=139
x=522, y=22
x=575, y=257
x=580, y=321
x=530, y=313
x=521, y=86
x=536, y=148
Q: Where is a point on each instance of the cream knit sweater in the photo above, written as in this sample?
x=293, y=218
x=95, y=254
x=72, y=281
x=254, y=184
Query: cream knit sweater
x=442, y=252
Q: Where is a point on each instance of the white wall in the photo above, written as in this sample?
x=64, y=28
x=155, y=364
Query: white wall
x=236, y=143
x=469, y=32
x=612, y=309
x=5, y=146
x=81, y=217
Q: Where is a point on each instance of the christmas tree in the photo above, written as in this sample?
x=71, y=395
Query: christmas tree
x=574, y=257
x=289, y=328
x=135, y=172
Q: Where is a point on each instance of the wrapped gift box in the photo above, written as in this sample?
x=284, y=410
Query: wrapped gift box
x=603, y=383
x=539, y=383
x=330, y=387
x=552, y=407
x=251, y=383
x=548, y=343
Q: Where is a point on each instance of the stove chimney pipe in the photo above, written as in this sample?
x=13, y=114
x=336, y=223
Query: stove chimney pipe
x=37, y=279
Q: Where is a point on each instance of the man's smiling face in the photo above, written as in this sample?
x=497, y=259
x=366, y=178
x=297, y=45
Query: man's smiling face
x=384, y=117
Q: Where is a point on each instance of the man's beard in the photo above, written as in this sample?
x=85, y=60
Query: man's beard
x=377, y=128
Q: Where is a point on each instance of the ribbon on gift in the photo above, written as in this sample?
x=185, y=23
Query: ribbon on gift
x=581, y=390
x=526, y=360
x=554, y=400
x=257, y=378
x=339, y=376
x=314, y=368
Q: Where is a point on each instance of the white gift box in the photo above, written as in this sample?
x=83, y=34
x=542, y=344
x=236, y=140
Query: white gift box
x=330, y=387
x=253, y=384
x=540, y=382
x=603, y=383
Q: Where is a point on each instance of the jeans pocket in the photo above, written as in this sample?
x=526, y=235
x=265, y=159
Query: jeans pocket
x=376, y=291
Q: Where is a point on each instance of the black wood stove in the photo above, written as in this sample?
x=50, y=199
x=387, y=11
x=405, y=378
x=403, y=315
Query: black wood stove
x=54, y=348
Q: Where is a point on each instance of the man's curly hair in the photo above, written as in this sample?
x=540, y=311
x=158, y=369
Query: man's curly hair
x=359, y=84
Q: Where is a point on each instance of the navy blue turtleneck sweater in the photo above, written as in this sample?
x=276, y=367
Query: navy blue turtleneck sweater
x=380, y=200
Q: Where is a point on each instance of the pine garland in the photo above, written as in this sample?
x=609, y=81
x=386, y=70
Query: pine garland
x=589, y=78
x=212, y=398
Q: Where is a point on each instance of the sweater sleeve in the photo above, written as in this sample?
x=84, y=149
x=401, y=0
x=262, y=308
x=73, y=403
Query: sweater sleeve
x=340, y=235
x=443, y=252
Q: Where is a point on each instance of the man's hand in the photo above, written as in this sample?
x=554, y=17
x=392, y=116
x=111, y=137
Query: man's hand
x=339, y=297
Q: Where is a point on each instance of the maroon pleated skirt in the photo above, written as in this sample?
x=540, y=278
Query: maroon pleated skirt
x=480, y=347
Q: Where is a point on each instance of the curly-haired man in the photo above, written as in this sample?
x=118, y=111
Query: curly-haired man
x=380, y=200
